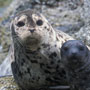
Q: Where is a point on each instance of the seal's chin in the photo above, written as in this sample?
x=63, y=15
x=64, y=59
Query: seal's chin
x=32, y=41
x=74, y=59
x=73, y=63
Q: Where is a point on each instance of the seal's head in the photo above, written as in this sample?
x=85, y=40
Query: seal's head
x=74, y=53
x=31, y=27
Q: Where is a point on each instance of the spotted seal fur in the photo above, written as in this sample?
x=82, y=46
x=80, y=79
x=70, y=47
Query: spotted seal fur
x=35, y=58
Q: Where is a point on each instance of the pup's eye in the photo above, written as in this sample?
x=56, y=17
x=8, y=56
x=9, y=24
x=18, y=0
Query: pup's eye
x=39, y=22
x=81, y=48
x=65, y=48
x=20, y=24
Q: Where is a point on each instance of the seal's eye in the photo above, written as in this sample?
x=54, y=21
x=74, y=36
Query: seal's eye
x=65, y=48
x=20, y=24
x=81, y=48
x=39, y=22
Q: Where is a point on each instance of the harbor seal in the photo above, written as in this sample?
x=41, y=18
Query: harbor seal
x=35, y=58
x=75, y=57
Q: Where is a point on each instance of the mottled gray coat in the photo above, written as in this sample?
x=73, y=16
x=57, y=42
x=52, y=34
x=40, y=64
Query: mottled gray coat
x=36, y=51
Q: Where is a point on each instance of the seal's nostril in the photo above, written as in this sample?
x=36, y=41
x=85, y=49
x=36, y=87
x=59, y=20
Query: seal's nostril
x=32, y=30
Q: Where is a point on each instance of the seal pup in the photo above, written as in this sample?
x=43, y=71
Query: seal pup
x=35, y=58
x=75, y=57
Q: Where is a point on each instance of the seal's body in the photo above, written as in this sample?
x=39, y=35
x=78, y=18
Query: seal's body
x=75, y=57
x=36, y=51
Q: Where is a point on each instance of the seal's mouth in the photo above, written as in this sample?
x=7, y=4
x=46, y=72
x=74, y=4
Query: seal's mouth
x=74, y=60
x=32, y=38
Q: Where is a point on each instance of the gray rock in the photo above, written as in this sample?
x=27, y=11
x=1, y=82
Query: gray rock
x=5, y=67
x=84, y=33
x=0, y=48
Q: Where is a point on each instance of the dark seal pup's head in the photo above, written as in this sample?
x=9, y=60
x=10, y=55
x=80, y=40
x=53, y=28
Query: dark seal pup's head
x=31, y=27
x=74, y=53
